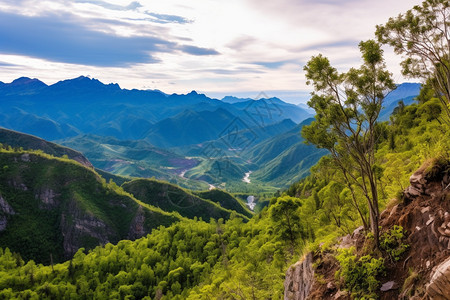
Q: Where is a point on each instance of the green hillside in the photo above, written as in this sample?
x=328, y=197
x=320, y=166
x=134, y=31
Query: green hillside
x=225, y=200
x=169, y=197
x=218, y=170
x=57, y=206
x=26, y=141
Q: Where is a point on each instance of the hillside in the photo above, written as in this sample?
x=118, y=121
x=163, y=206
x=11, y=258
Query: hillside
x=17, y=139
x=225, y=200
x=284, y=158
x=171, y=198
x=54, y=206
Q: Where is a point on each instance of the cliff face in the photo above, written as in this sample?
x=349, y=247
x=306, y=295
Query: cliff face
x=299, y=279
x=49, y=206
x=424, y=213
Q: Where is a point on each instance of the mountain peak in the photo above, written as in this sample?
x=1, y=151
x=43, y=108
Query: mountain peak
x=84, y=82
x=27, y=81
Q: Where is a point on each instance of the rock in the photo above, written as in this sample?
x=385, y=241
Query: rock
x=331, y=286
x=390, y=285
x=358, y=232
x=439, y=286
x=346, y=242
x=427, y=264
x=430, y=221
x=299, y=279
x=5, y=207
x=417, y=180
x=7, y=210
x=447, y=232
x=425, y=209
x=3, y=223
x=47, y=196
x=412, y=191
x=340, y=295
x=25, y=157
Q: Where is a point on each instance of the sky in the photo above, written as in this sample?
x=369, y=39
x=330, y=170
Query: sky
x=232, y=47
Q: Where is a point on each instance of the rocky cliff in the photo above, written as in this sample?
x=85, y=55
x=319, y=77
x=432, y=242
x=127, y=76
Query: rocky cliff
x=423, y=272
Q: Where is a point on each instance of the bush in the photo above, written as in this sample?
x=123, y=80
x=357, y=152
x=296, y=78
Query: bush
x=392, y=242
x=359, y=274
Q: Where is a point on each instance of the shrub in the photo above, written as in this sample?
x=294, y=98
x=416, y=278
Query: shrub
x=359, y=274
x=393, y=242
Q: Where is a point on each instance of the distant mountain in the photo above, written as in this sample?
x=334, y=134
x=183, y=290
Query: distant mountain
x=284, y=158
x=189, y=127
x=306, y=108
x=22, y=86
x=405, y=92
x=84, y=105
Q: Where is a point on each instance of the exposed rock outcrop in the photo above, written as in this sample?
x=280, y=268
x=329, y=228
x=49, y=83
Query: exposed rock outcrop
x=137, y=228
x=78, y=226
x=47, y=196
x=5, y=209
x=299, y=279
x=439, y=287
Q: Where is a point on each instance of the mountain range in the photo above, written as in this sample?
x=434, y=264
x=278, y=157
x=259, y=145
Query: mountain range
x=190, y=140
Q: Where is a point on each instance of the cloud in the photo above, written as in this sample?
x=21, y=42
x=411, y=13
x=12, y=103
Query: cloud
x=164, y=19
x=273, y=64
x=63, y=38
x=241, y=42
x=132, y=6
x=6, y=64
x=329, y=45
x=194, y=50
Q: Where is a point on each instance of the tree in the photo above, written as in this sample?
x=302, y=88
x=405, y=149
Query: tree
x=422, y=35
x=284, y=213
x=347, y=106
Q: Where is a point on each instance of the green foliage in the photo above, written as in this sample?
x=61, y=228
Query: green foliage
x=420, y=35
x=346, y=122
x=359, y=275
x=392, y=242
x=284, y=214
x=188, y=260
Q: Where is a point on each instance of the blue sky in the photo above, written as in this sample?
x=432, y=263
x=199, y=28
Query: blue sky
x=233, y=47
